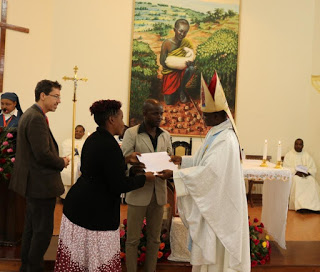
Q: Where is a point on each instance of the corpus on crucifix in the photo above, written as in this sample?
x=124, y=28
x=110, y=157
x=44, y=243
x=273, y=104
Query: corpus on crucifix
x=4, y=26
x=75, y=80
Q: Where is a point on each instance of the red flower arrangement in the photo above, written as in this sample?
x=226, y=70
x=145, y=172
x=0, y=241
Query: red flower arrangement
x=7, y=152
x=260, y=248
x=164, y=248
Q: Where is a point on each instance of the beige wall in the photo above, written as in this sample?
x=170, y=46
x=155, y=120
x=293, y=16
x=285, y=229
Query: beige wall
x=314, y=110
x=274, y=73
x=97, y=38
x=316, y=40
x=275, y=100
x=28, y=57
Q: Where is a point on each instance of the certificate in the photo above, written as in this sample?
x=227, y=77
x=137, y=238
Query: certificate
x=157, y=161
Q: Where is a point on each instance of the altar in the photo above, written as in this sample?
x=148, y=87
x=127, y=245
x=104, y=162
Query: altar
x=275, y=196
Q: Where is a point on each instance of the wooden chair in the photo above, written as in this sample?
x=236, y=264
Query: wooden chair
x=180, y=148
x=252, y=182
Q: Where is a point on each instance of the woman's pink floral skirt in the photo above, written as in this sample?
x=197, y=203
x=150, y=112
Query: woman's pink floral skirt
x=81, y=249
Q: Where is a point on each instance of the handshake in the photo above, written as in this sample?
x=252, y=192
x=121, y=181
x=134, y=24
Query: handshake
x=138, y=167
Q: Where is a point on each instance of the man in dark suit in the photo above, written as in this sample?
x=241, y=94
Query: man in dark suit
x=36, y=174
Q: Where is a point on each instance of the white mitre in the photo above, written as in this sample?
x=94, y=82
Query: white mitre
x=213, y=98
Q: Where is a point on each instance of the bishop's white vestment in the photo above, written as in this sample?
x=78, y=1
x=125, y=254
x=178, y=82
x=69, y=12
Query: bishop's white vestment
x=212, y=203
x=305, y=191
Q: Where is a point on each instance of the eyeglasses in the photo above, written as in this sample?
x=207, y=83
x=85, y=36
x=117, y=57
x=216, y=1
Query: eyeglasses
x=58, y=97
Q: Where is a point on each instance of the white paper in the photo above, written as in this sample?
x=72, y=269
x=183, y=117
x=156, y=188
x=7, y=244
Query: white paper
x=302, y=168
x=157, y=161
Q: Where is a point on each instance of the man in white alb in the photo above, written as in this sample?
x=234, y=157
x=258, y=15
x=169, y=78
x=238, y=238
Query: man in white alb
x=305, y=191
x=66, y=151
x=211, y=191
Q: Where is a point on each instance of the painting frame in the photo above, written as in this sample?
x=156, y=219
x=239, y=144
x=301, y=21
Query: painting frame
x=214, y=36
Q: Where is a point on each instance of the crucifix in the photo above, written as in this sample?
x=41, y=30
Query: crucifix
x=4, y=26
x=75, y=80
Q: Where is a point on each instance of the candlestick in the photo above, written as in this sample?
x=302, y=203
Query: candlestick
x=264, y=163
x=264, y=155
x=278, y=165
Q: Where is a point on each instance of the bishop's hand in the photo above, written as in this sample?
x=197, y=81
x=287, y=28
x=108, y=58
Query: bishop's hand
x=176, y=159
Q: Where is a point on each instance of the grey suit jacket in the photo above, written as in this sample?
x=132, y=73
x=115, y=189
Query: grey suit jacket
x=37, y=166
x=140, y=142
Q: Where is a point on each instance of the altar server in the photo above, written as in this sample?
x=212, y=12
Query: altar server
x=305, y=191
x=66, y=150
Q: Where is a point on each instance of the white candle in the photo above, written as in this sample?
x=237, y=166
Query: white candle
x=265, y=149
x=279, y=152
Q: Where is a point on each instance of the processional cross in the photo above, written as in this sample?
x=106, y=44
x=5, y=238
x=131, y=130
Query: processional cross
x=4, y=26
x=75, y=80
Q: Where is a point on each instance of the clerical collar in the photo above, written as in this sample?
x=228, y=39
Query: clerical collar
x=8, y=115
x=142, y=129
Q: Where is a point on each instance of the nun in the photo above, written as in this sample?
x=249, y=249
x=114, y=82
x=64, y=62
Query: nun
x=10, y=110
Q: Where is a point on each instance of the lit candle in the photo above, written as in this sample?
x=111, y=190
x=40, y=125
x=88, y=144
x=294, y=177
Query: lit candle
x=265, y=150
x=279, y=152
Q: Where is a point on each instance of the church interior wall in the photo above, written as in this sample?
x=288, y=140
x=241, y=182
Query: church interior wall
x=314, y=111
x=274, y=89
x=28, y=57
x=275, y=99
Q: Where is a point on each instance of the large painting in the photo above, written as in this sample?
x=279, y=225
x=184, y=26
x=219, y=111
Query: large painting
x=174, y=41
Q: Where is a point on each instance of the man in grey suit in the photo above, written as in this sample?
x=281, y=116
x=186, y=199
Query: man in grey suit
x=36, y=174
x=149, y=200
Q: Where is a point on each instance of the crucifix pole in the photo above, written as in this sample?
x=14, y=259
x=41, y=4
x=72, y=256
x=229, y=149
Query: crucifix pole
x=4, y=26
x=75, y=80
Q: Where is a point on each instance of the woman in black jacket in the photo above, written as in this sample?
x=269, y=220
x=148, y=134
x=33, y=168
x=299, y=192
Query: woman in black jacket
x=89, y=235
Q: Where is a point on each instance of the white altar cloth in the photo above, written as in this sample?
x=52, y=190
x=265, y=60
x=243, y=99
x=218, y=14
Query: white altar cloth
x=275, y=196
x=179, y=241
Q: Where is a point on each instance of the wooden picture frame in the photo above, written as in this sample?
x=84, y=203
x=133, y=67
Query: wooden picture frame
x=208, y=41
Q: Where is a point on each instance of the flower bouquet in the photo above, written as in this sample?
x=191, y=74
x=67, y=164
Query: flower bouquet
x=260, y=248
x=164, y=248
x=7, y=152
